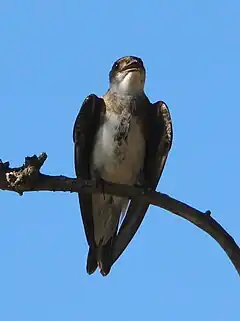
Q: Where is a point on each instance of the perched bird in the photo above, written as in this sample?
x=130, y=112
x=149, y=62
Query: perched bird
x=121, y=138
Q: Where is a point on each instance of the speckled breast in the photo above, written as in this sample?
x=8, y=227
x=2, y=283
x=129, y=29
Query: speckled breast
x=119, y=149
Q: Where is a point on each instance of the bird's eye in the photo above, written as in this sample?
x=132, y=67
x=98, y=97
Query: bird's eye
x=116, y=65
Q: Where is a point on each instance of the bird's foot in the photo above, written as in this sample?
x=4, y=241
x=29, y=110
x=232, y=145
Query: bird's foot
x=139, y=184
x=144, y=187
x=99, y=183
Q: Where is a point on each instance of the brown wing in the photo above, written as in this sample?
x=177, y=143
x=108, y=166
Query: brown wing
x=84, y=131
x=158, y=143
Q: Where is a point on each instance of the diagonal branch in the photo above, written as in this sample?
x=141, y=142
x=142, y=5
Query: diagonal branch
x=28, y=178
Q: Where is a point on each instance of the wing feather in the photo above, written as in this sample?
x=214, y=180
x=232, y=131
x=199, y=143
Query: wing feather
x=158, y=144
x=85, y=128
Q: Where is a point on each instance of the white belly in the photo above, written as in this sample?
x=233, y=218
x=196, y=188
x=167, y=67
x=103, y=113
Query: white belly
x=119, y=163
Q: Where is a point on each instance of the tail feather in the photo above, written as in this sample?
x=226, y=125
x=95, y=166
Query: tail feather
x=105, y=257
x=106, y=214
x=101, y=257
x=91, y=261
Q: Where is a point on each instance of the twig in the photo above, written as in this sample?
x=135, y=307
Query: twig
x=28, y=178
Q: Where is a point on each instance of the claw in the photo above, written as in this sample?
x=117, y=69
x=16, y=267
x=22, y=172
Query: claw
x=100, y=183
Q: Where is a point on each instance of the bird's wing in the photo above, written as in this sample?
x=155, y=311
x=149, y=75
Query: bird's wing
x=84, y=131
x=158, y=143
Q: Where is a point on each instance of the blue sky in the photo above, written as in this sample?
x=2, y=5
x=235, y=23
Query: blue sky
x=53, y=54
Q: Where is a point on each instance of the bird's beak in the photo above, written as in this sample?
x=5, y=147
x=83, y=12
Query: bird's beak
x=132, y=65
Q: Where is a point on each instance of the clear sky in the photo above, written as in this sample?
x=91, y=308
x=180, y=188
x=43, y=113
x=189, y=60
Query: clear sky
x=53, y=54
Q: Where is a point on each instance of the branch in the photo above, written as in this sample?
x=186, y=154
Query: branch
x=28, y=178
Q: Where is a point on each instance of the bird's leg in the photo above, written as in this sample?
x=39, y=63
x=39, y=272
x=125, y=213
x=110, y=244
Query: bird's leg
x=99, y=182
x=141, y=183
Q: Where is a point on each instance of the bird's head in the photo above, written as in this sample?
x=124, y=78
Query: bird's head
x=128, y=75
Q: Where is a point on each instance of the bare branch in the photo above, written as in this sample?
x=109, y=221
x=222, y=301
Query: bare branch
x=28, y=178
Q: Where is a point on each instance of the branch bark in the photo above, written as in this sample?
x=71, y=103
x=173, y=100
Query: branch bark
x=28, y=178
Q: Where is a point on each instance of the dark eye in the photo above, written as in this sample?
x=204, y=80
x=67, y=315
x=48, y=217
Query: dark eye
x=116, y=65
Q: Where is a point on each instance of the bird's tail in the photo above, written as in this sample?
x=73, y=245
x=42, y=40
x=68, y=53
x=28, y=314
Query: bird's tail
x=101, y=257
x=106, y=213
x=91, y=261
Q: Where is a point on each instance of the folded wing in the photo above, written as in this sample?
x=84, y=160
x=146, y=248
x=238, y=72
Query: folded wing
x=159, y=135
x=84, y=132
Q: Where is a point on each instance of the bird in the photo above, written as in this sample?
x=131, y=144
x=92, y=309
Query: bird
x=122, y=138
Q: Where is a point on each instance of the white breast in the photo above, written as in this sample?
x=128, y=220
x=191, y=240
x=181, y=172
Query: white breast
x=119, y=163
